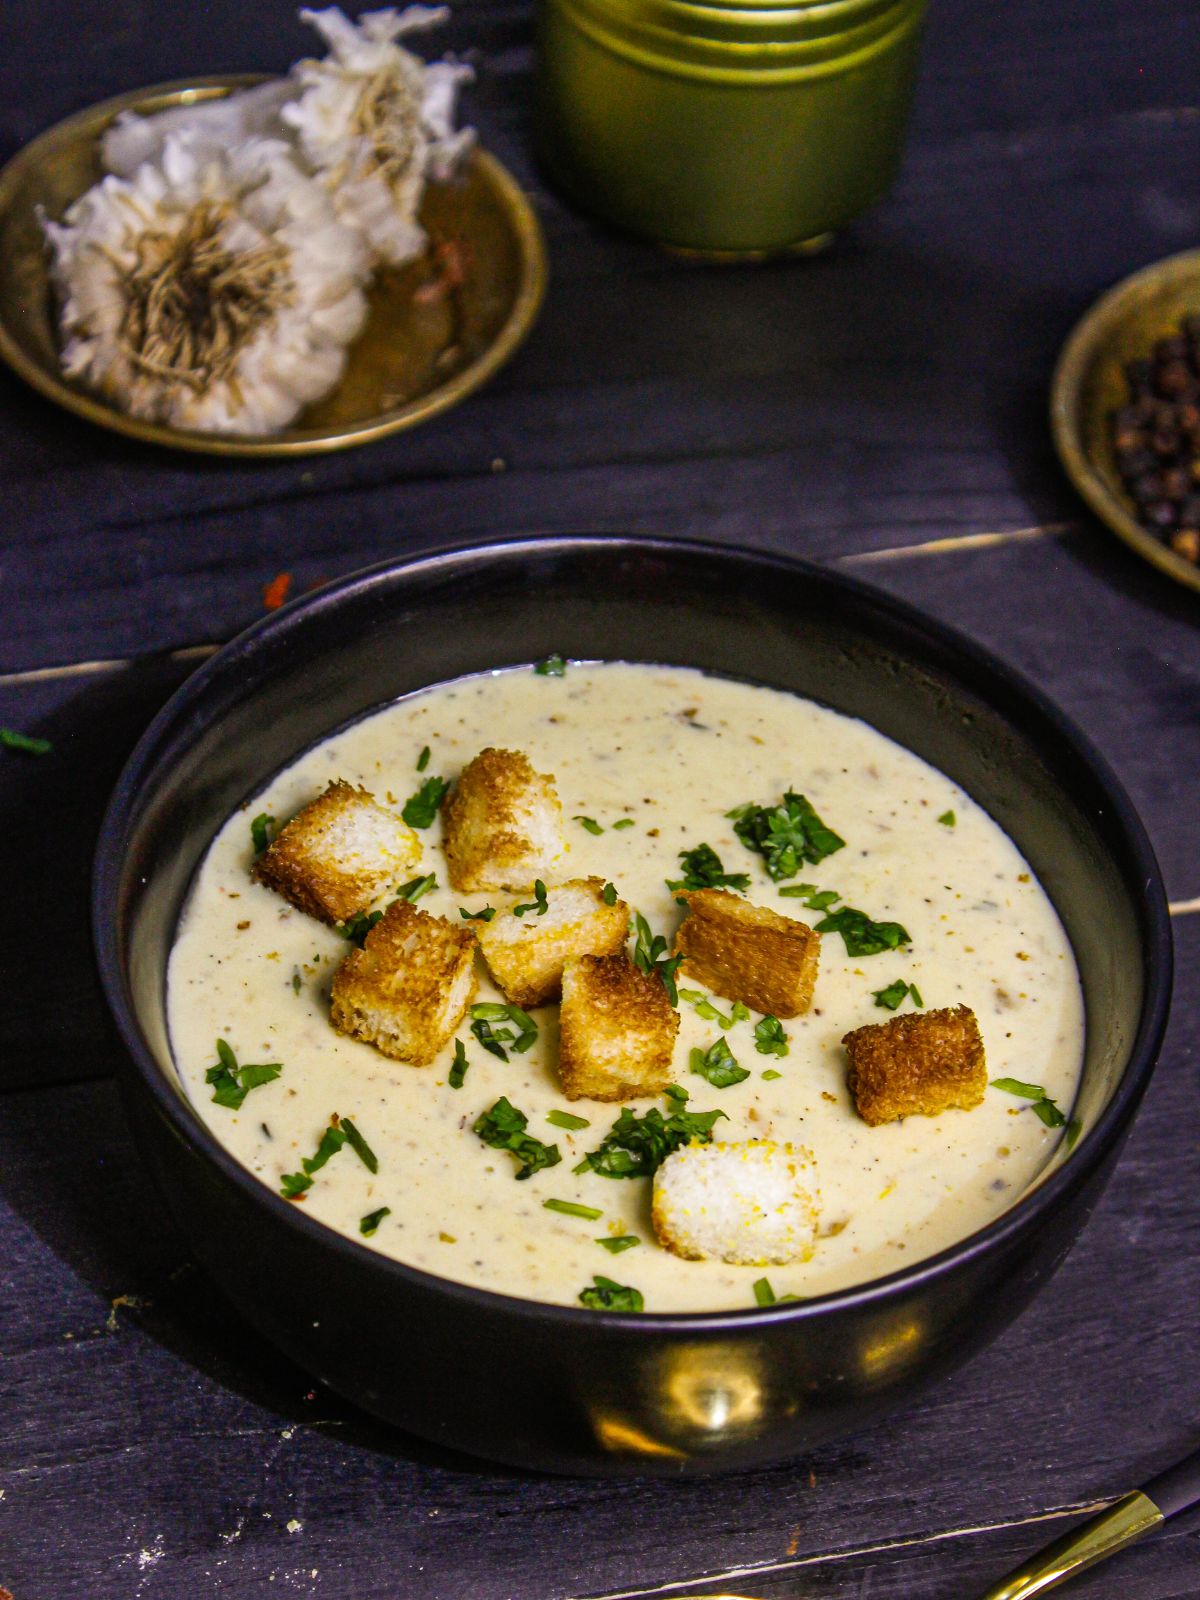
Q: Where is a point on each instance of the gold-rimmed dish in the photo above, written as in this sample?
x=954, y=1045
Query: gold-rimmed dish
x=1089, y=385
x=437, y=330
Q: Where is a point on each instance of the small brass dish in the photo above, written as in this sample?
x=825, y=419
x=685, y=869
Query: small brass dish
x=430, y=339
x=1089, y=384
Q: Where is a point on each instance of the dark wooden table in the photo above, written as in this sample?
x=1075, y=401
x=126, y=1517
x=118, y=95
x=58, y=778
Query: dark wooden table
x=881, y=409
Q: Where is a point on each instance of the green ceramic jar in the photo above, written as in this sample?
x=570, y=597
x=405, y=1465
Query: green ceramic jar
x=734, y=127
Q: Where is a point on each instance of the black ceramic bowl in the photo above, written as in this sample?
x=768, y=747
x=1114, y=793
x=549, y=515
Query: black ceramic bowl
x=573, y=1390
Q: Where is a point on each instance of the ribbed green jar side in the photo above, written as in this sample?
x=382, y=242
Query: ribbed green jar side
x=738, y=159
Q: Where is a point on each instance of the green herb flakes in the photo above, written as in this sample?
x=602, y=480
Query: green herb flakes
x=609, y=894
x=552, y=667
x=703, y=869
x=293, y=1185
x=539, y=903
x=704, y=1007
x=340, y=1132
x=485, y=915
x=605, y=1295
x=232, y=1083
x=1074, y=1129
x=892, y=997
x=617, y=1243
x=567, y=1119
x=635, y=1147
x=370, y=1223
x=650, y=955
x=862, y=936
x=416, y=887
x=785, y=835
x=459, y=1066
x=262, y=831
x=1043, y=1107
x=589, y=823
x=31, y=745
x=360, y=1146
x=625, y=822
x=518, y=1037
x=769, y=1037
x=717, y=1065
x=568, y=1208
x=423, y=759
x=770, y=1075
x=357, y=929
x=297, y=980
x=503, y=1128
x=764, y=1295
x=947, y=819
x=421, y=808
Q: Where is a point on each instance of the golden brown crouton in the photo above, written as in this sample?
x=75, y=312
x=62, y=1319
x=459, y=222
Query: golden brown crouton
x=502, y=824
x=753, y=1204
x=526, y=954
x=748, y=953
x=338, y=854
x=409, y=987
x=616, y=1030
x=922, y=1063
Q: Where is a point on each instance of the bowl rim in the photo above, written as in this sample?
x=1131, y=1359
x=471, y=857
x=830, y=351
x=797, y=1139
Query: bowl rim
x=52, y=384
x=1066, y=385
x=1072, y=1170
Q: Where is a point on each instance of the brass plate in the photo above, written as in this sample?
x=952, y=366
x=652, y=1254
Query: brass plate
x=424, y=347
x=1089, y=383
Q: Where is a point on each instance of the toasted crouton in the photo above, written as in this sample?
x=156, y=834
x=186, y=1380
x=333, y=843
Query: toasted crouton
x=338, y=854
x=502, y=824
x=526, y=954
x=751, y=1204
x=748, y=953
x=616, y=1030
x=409, y=986
x=922, y=1063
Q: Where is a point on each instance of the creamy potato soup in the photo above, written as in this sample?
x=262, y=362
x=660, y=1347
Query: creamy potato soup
x=654, y=758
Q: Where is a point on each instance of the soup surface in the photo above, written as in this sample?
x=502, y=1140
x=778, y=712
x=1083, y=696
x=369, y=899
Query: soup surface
x=668, y=752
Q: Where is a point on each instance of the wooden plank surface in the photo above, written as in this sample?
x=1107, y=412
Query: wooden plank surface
x=882, y=409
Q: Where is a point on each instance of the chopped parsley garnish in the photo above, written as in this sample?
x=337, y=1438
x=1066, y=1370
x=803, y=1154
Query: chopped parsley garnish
x=717, y=1065
x=567, y=1119
x=485, y=915
x=622, y=1241
x=815, y=899
x=518, y=1038
x=297, y=980
x=503, y=1128
x=947, y=819
x=589, y=823
x=785, y=835
x=609, y=894
x=862, y=936
x=357, y=929
x=368, y=1224
x=262, y=831
x=423, y=759
x=705, y=1008
x=703, y=869
x=33, y=746
x=539, y=903
x=360, y=1146
x=1043, y=1106
x=769, y=1037
x=650, y=955
x=232, y=1083
x=635, y=1147
x=421, y=808
x=891, y=997
x=770, y=1074
x=609, y=1296
x=569, y=1209
x=458, y=1067
x=341, y=1131
x=552, y=667
x=1074, y=1129
x=416, y=887
x=625, y=822
x=764, y=1295
x=293, y=1184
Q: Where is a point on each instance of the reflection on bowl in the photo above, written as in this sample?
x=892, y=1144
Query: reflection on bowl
x=557, y=1387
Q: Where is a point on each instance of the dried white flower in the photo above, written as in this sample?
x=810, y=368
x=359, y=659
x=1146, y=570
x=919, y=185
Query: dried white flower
x=211, y=290
x=372, y=120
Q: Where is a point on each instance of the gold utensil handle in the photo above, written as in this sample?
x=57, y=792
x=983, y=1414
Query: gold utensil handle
x=1130, y=1518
